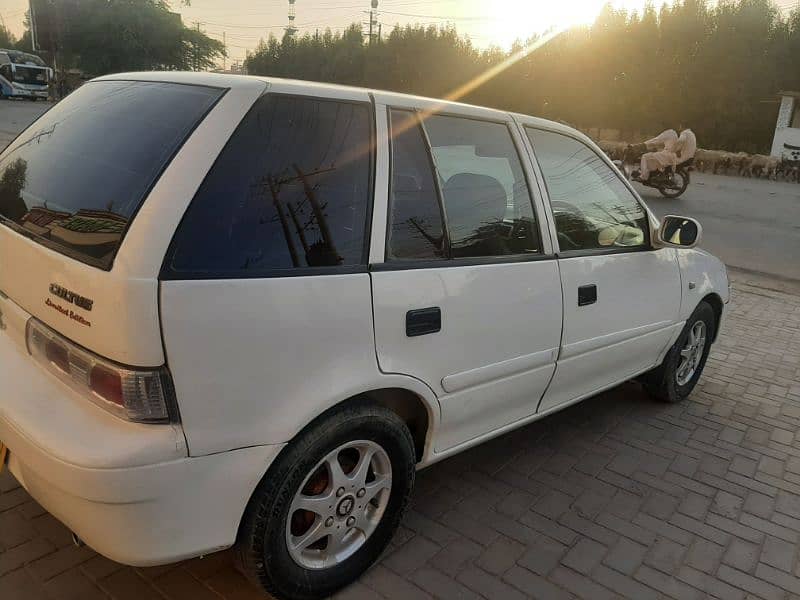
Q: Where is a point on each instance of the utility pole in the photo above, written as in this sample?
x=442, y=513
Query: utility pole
x=225, y=54
x=32, y=13
x=196, y=65
x=372, y=16
x=373, y=22
x=291, y=28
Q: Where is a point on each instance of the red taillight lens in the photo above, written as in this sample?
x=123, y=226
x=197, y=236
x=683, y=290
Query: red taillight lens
x=107, y=384
x=57, y=354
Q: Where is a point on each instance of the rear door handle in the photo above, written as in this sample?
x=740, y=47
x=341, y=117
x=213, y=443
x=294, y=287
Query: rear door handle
x=423, y=321
x=587, y=294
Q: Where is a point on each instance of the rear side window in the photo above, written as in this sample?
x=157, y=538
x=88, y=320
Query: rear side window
x=76, y=177
x=291, y=190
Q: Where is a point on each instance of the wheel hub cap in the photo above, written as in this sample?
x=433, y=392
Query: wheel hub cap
x=346, y=506
x=339, y=505
x=692, y=353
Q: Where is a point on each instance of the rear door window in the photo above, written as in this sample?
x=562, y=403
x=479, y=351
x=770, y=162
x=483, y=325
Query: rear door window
x=290, y=192
x=75, y=179
x=487, y=203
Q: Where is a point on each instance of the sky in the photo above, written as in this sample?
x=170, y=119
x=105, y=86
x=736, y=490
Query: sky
x=486, y=22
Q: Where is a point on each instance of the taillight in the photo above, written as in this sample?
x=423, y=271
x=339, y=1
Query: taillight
x=141, y=395
x=57, y=354
x=107, y=384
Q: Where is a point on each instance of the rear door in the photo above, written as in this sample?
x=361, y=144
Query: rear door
x=621, y=296
x=466, y=291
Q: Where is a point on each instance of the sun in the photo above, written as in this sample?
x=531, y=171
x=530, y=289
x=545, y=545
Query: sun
x=521, y=19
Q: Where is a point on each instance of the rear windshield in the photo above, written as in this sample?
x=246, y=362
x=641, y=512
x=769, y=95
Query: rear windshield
x=76, y=177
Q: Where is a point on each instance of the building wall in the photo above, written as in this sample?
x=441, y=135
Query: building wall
x=784, y=134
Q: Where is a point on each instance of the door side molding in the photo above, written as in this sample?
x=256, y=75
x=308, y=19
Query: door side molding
x=529, y=362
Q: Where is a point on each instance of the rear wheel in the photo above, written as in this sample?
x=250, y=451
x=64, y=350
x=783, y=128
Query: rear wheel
x=676, y=377
x=677, y=186
x=330, y=503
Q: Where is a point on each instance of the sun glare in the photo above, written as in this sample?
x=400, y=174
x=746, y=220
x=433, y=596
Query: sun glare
x=521, y=19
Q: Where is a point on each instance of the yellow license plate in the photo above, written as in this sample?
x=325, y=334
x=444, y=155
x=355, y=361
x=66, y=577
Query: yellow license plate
x=3, y=455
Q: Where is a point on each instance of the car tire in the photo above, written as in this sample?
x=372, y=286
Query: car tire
x=674, y=380
x=272, y=549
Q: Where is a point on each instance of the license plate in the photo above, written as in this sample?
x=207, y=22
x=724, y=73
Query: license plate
x=3, y=455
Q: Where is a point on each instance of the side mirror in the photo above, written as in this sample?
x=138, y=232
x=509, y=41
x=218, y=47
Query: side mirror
x=678, y=232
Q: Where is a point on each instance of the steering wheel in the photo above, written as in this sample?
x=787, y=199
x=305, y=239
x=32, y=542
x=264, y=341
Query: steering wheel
x=565, y=241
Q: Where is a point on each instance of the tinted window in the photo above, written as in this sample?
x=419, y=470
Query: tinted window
x=291, y=189
x=415, y=218
x=77, y=176
x=592, y=206
x=486, y=200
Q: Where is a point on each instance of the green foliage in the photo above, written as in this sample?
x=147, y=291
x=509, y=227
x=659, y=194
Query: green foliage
x=107, y=36
x=7, y=39
x=715, y=67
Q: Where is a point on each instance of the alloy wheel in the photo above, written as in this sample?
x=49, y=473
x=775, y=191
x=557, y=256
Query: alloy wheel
x=339, y=505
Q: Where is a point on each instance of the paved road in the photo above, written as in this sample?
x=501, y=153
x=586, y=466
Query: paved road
x=15, y=115
x=750, y=224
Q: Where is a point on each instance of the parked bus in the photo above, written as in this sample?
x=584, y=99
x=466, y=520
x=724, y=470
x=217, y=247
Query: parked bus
x=23, y=75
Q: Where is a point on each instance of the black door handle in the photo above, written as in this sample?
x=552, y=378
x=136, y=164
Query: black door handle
x=423, y=321
x=587, y=294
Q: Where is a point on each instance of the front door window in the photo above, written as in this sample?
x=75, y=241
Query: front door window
x=592, y=207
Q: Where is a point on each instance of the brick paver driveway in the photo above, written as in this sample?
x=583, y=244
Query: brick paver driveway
x=616, y=497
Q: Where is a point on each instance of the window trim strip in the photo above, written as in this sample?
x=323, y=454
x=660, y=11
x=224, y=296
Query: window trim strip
x=443, y=263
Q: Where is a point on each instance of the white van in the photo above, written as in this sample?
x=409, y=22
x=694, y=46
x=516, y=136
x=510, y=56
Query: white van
x=243, y=311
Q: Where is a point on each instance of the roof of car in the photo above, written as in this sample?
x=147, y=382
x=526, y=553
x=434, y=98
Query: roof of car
x=229, y=80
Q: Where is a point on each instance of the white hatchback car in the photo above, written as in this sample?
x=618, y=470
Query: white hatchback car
x=237, y=310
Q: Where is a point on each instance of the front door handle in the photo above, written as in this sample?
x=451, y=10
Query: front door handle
x=587, y=294
x=423, y=321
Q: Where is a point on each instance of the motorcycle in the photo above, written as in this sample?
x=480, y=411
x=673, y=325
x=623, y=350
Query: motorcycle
x=672, y=183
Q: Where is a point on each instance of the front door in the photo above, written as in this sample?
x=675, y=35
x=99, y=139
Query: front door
x=621, y=296
x=467, y=297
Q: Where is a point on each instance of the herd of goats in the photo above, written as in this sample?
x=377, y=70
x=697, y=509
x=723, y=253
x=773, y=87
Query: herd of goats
x=728, y=163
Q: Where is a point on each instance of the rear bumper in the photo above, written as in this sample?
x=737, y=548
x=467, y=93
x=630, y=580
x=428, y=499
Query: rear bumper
x=148, y=515
x=128, y=490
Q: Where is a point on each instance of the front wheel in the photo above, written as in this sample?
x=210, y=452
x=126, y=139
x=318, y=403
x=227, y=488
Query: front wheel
x=329, y=504
x=677, y=376
x=677, y=185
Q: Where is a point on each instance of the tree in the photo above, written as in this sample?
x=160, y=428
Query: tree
x=713, y=66
x=7, y=39
x=12, y=182
x=106, y=36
